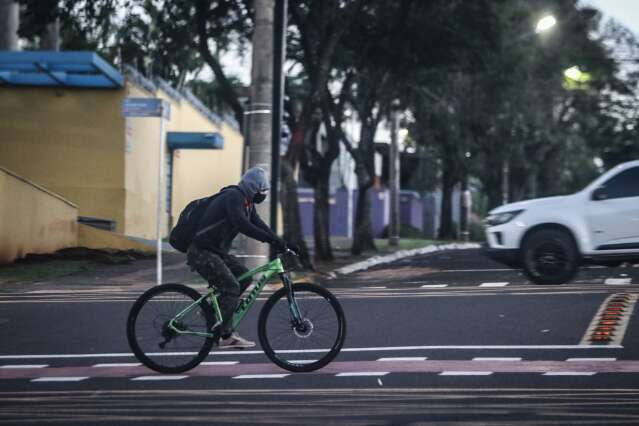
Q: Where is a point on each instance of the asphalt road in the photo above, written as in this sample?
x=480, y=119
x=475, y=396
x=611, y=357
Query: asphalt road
x=445, y=337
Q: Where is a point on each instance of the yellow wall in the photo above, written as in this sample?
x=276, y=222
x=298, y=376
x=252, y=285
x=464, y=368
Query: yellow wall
x=141, y=136
x=32, y=219
x=198, y=173
x=70, y=142
x=76, y=143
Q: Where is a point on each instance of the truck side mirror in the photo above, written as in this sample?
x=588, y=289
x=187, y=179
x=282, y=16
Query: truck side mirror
x=599, y=194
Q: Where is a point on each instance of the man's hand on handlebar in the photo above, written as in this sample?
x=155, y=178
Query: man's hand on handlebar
x=293, y=248
x=283, y=247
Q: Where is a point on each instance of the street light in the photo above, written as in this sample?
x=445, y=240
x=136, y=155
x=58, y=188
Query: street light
x=545, y=23
x=575, y=74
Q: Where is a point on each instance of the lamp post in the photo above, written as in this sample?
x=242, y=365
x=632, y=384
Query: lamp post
x=394, y=225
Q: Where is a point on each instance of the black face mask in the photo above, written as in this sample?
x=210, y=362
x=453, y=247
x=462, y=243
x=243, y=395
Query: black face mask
x=258, y=198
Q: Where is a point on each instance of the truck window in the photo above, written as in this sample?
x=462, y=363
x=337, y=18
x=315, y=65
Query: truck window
x=624, y=184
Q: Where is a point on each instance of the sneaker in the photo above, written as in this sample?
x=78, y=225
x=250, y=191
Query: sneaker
x=235, y=341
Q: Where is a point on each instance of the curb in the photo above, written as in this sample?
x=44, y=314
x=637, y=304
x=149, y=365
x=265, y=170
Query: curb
x=379, y=260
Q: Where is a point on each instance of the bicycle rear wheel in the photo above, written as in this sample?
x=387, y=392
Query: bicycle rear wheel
x=314, y=343
x=155, y=344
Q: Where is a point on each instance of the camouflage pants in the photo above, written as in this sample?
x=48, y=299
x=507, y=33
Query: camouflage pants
x=220, y=271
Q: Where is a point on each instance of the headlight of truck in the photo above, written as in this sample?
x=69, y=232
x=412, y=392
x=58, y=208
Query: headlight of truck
x=501, y=218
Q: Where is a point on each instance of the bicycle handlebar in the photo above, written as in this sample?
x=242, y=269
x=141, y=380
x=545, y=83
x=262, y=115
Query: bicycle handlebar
x=288, y=251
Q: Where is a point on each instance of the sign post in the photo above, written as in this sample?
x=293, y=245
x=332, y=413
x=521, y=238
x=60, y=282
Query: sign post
x=153, y=107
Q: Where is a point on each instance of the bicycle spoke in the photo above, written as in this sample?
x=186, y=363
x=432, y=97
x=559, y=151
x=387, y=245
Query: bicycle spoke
x=314, y=340
x=157, y=344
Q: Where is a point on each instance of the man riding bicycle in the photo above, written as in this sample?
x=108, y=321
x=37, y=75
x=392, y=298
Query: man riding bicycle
x=230, y=212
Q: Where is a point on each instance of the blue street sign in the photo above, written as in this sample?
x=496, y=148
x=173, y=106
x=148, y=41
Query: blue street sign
x=146, y=107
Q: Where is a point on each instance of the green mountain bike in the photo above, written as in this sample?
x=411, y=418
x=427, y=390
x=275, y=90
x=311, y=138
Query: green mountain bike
x=171, y=328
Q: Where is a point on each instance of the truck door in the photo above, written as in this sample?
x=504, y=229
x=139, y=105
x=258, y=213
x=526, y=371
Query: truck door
x=613, y=212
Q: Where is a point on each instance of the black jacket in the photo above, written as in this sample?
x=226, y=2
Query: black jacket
x=229, y=213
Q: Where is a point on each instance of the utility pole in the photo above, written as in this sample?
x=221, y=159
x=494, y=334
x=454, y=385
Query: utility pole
x=393, y=226
x=279, y=53
x=9, y=23
x=260, y=112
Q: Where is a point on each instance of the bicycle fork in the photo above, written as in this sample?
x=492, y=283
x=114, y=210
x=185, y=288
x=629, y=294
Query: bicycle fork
x=296, y=316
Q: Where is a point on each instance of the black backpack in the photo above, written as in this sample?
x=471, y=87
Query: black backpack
x=186, y=227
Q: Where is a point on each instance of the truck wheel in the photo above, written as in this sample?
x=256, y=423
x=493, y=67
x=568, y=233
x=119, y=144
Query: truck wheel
x=550, y=257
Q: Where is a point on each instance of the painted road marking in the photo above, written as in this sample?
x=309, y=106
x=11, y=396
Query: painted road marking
x=570, y=373
x=261, y=376
x=341, y=368
x=434, y=286
x=617, y=281
x=360, y=349
x=502, y=284
x=499, y=359
x=118, y=364
x=590, y=359
x=59, y=379
x=465, y=373
x=303, y=361
x=219, y=363
x=25, y=366
x=623, y=319
x=378, y=287
x=448, y=271
x=405, y=358
x=157, y=378
x=363, y=374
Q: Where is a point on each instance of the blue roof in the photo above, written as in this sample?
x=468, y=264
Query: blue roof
x=58, y=69
x=194, y=140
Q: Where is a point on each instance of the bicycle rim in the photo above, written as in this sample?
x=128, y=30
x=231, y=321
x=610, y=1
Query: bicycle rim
x=311, y=346
x=152, y=340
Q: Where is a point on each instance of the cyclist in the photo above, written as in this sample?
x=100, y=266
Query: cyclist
x=230, y=212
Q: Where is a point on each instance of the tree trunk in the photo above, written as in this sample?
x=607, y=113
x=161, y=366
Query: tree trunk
x=363, y=238
x=491, y=178
x=322, y=217
x=291, y=212
x=446, y=228
x=363, y=235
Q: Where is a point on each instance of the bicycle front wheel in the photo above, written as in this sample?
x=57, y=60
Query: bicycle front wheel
x=157, y=345
x=307, y=346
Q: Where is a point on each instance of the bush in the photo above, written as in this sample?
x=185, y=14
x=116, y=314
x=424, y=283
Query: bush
x=477, y=231
x=405, y=231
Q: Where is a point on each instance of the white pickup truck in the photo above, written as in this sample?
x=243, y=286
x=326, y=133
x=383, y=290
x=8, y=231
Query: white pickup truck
x=550, y=237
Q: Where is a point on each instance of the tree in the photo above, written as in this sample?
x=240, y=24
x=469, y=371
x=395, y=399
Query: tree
x=398, y=49
x=319, y=26
x=220, y=24
x=171, y=40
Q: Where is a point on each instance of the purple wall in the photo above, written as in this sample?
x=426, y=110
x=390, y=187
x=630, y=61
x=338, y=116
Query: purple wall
x=411, y=210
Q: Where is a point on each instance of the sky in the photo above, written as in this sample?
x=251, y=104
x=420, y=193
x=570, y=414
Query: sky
x=624, y=11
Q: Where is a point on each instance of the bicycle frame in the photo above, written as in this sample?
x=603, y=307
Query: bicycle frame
x=273, y=267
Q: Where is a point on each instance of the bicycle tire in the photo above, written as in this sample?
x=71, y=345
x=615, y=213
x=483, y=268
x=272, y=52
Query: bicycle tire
x=156, y=294
x=303, y=292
